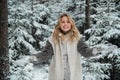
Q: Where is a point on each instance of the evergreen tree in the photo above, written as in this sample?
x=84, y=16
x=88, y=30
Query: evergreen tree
x=28, y=32
x=31, y=22
x=105, y=33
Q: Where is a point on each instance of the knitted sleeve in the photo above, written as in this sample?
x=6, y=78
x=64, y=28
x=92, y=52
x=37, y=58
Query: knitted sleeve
x=83, y=48
x=45, y=55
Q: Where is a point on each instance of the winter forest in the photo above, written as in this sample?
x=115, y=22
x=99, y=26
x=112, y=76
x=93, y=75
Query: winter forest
x=31, y=22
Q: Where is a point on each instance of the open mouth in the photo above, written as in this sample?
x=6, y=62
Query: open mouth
x=65, y=27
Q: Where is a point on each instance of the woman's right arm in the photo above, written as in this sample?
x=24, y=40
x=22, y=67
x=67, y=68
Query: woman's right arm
x=44, y=56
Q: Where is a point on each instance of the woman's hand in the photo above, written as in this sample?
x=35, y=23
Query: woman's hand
x=32, y=59
x=97, y=50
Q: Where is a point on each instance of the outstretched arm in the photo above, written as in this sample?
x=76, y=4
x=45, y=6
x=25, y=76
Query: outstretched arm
x=45, y=55
x=84, y=50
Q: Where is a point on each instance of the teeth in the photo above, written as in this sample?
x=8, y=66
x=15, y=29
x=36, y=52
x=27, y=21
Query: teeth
x=65, y=26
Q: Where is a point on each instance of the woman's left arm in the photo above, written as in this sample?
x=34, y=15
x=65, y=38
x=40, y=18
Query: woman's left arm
x=84, y=50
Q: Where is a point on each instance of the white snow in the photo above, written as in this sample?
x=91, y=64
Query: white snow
x=23, y=20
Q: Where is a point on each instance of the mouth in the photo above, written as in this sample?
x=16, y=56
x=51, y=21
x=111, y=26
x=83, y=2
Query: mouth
x=66, y=27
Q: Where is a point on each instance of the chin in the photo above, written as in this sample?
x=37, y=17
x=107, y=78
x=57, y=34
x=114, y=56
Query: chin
x=66, y=31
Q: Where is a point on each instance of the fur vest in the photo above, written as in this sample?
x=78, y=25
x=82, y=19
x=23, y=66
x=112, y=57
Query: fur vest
x=54, y=52
x=56, y=71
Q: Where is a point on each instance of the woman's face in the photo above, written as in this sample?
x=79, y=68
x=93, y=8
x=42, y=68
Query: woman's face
x=65, y=24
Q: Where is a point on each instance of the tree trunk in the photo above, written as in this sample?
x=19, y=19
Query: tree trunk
x=87, y=14
x=4, y=57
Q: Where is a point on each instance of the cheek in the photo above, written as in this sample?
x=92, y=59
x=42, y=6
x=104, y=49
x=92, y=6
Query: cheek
x=70, y=26
x=61, y=26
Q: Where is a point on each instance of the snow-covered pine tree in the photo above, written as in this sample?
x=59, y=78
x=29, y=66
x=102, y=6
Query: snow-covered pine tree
x=28, y=32
x=33, y=14
x=105, y=33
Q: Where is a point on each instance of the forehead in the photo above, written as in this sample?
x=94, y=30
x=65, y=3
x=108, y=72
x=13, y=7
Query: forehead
x=64, y=18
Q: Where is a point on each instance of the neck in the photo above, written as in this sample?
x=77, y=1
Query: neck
x=65, y=36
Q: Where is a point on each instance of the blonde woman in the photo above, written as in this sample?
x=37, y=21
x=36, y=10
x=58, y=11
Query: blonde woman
x=64, y=48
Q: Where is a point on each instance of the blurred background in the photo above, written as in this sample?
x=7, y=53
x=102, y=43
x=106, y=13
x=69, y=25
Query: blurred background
x=31, y=22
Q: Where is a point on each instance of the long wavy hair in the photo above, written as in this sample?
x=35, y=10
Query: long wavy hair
x=73, y=33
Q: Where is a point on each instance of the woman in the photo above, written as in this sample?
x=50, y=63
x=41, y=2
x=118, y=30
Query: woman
x=64, y=47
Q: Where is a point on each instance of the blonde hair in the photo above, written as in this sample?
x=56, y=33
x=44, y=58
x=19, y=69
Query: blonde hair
x=74, y=33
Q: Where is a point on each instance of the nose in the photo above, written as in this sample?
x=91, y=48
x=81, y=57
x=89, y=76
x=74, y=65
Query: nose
x=66, y=23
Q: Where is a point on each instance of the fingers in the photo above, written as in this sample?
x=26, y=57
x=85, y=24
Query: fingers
x=95, y=51
x=33, y=59
x=99, y=49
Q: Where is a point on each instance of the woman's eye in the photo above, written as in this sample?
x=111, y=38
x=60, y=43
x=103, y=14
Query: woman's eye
x=68, y=22
x=65, y=22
